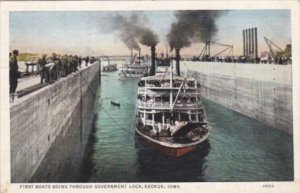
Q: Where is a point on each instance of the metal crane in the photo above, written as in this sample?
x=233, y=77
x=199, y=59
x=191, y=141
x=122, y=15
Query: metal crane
x=206, y=50
x=270, y=45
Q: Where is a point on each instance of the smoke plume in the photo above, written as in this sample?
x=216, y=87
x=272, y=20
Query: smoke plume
x=198, y=25
x=132, y=31
x=148, y=37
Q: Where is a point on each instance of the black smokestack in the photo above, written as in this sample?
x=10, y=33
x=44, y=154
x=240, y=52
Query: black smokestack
x=149, y=38
x=177, y=58
x=199, y=26
x=152, y=68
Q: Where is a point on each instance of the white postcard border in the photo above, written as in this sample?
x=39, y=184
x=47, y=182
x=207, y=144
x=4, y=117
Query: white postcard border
x=207, y=187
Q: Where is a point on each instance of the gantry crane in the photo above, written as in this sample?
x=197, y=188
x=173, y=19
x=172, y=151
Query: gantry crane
x=271, y=45
x=206, y=50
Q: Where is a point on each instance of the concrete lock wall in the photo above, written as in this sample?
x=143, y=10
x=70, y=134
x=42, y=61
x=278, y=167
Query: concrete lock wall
x=36, y=120
x=259, y=91
x=67, y=154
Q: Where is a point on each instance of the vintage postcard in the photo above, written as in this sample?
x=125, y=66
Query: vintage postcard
x=143, y=96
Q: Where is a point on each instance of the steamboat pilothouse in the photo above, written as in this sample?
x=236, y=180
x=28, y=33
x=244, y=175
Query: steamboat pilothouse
x=170, y=114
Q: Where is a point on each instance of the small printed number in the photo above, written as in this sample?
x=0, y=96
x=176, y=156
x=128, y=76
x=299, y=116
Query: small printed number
x=268, y=186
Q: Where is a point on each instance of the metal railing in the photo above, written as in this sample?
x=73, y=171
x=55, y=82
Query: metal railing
x=166, y=105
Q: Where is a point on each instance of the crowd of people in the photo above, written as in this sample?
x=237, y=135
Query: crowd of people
x=50, y=68
x=243, y=59
x=56, y=66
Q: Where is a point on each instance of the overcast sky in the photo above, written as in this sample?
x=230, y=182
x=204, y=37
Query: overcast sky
x=90, y=33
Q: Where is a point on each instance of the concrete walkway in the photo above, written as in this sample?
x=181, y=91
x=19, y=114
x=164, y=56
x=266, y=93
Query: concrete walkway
x=32, y=83
x=24, y=83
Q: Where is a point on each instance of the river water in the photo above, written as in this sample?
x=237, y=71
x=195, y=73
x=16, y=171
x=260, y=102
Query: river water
x=238, y=149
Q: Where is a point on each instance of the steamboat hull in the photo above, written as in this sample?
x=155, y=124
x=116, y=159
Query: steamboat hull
x=171, y=149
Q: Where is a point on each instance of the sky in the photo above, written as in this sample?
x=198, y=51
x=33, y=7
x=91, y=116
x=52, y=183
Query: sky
x=91, y=33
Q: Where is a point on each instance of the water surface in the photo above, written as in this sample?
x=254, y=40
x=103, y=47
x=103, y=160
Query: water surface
x=238, y=149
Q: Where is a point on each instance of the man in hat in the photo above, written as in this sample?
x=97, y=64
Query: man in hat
x=43, y=69
x=75, y=63
x=79, y=61
x=64, y=65
x=52, y=68
x=13, y=73
x=87, y=60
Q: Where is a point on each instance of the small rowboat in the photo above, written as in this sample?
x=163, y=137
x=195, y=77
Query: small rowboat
x=115, y=104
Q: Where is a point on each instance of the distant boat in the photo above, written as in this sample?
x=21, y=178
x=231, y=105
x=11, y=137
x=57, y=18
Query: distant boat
x=115, y=104
x=136, y=68
x=109, y=67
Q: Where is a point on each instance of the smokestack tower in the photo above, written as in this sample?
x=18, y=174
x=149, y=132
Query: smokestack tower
x=246, y=32
x=250, y=43
x=152, y=68
x=244, y=43
x=255, y=36
x=177, y=58
x=253, y=45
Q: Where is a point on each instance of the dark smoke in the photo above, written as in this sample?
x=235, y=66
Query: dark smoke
x=198, y=25
x=132, y=31
x=148, y=38
x=127, y=29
